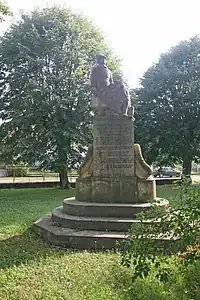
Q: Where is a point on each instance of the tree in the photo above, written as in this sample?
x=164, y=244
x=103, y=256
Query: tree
x=168, y=106
x=45, y=62
x=4, y=11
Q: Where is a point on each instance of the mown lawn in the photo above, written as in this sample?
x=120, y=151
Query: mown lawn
x=32, y=269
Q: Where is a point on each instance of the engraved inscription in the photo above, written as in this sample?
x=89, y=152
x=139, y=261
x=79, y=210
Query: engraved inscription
x=113, y=149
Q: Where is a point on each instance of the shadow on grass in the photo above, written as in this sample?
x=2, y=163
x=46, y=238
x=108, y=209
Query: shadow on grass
x=28, y=247
x=25, y=248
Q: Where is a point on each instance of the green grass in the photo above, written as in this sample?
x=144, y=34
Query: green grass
x=170, y=192
x=32, y=269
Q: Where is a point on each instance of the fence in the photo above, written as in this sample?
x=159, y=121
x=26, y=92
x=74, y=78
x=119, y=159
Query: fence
x=14, y=174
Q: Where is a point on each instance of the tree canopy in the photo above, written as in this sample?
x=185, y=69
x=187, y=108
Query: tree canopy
x=168, y=106
x=45, y=63
x=4, y=10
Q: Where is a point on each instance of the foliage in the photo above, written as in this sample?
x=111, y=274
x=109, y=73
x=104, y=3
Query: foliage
x=45, y=95
x=4, y=10
x=168, y=106
x=17, y=170
x=169, y=232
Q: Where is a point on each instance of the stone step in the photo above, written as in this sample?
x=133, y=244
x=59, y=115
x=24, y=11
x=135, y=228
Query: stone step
x=72, y=238
x=91, y=223
x=83, y=239
x=91, y=209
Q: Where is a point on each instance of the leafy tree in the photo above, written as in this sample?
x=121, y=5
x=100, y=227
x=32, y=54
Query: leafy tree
x=4, y=10
x=168, y=106
x=45, y=61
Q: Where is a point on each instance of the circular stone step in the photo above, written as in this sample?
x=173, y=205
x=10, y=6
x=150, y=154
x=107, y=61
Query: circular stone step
x=72, y=238
x=83, y=239
x=120, y=210
x=92, y=223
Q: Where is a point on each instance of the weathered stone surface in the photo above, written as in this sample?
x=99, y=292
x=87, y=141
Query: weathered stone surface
x=106, y=223
x=92, y=223
x=113, y=147
x=84, y=189
x=146, y=189
x=78, y=239
x=117, y=210
x=82, y=239
x=105, y=189
x=142, y=169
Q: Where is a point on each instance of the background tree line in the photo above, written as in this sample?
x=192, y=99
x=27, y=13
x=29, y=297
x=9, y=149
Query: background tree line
x=167, y=107
x=45, y=63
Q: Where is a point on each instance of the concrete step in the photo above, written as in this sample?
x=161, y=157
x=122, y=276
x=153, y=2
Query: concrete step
x=72, y=238
x=91, y=223
x=120, y=210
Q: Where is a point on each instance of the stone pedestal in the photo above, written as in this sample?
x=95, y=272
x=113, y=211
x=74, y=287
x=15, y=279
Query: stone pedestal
x=113, y=178
x=146, y=189
x=111, y=190
x=107, y=189
x=115, y=189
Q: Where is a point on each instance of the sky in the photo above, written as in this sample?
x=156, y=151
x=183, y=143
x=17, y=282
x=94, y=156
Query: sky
x=137, y=30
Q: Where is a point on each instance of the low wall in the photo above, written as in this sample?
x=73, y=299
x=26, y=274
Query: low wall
x=23, y=185
x=166, y=181
x=55, y=184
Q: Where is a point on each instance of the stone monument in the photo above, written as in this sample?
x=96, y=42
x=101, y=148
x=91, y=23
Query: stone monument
x=114, y=183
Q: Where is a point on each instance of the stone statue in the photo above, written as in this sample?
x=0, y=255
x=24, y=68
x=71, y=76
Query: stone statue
x=142, y=169
x=101, y=78
x=108, y=97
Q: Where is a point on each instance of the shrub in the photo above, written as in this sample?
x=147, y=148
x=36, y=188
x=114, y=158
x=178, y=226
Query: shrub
x=18, y=170
x=147, y=247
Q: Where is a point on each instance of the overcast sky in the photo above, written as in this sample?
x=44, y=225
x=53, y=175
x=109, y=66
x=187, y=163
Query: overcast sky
x=137, y=30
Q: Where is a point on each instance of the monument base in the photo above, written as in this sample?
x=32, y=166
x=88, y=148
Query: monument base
x=101, y=214
x=115, y=190
x=115, y=184
x=86, y=225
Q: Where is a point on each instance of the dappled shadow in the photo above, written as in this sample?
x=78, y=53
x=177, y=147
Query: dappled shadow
x=25, y=248
x=29, y=247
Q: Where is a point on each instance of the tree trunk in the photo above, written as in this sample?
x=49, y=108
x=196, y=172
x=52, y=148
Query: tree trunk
x=64, y=180
x=187, y=166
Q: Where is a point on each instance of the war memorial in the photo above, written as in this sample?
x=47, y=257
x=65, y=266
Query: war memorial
x=114, y=183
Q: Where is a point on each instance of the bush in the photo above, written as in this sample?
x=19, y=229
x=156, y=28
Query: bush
x=181, y=224
x=180, y=285
x=18, y=170
x=189, y=285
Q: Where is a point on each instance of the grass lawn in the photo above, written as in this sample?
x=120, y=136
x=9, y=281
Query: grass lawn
x=32, y=269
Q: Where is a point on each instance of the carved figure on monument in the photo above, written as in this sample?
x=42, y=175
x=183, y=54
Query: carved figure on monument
x=109, y=97
x=142, y=169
